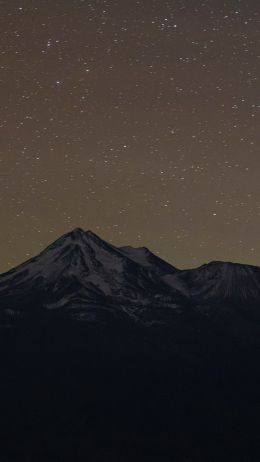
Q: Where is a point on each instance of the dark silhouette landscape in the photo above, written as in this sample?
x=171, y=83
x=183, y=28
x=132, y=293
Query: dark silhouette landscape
x=111, y=353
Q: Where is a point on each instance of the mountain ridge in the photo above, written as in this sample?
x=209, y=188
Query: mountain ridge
x=80, y=269
x=77, y=234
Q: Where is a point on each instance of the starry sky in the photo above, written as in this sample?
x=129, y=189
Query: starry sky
x=138, y=120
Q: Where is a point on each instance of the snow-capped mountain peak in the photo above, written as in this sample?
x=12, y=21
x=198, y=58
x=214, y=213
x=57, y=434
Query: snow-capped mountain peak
x=94, y=266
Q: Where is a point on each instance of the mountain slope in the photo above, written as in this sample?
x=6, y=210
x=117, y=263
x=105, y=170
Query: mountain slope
x=146, y=258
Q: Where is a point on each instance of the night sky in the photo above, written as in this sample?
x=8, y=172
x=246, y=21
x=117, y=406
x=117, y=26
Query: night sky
x=138, y=120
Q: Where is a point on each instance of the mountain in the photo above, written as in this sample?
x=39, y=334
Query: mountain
x=135, y=298
x=220, y=281
x=112, y=354
x=80, y=270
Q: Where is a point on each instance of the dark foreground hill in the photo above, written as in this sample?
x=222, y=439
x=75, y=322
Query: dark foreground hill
x=112, y=354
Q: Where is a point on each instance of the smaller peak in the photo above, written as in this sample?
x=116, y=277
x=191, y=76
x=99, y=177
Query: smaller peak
x=92, y=235
x=219, y=263
x=144, y=249
x=138, y=249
